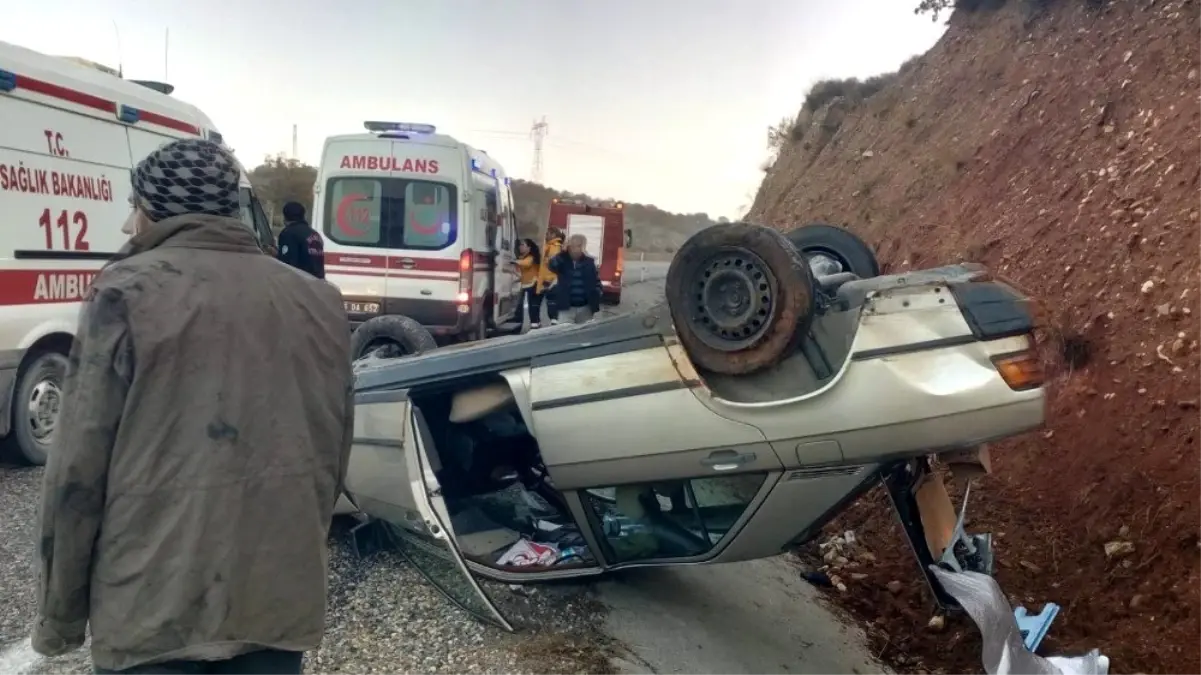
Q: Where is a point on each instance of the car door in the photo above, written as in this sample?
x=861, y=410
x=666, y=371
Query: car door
x=391, y=476
x=659, y=477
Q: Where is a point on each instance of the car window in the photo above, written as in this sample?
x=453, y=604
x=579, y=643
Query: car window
x=670, y=519
x=391, y=213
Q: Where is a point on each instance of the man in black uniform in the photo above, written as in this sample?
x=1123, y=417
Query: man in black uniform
x=300, y=245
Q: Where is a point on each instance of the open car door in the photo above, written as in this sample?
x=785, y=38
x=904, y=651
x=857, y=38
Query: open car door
x=391, y=476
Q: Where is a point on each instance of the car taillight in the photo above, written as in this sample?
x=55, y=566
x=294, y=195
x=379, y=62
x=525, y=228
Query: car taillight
x=1022, y=370
x=621, y=258
x=466, y=274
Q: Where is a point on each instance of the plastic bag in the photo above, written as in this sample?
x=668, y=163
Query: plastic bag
x=1004, y=652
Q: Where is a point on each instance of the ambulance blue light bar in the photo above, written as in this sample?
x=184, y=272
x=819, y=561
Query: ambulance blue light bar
x=402, y=127
x=475, y=165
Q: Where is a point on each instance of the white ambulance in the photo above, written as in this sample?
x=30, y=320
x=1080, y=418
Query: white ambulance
x=419, y=224
x=70, y=133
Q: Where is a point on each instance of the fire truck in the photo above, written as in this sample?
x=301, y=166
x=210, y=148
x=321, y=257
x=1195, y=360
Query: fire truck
x=603, y=226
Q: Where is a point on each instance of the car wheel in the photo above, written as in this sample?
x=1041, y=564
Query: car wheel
x=390, y=336
x=741, y=297
x=37, y=404
x=831, y=250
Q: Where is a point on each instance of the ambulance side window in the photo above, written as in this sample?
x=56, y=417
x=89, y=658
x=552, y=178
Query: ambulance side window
x=491, y=221
x=508, y=234
x=512, y=212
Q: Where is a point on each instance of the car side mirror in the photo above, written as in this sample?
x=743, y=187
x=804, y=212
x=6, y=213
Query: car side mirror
x=629, y=237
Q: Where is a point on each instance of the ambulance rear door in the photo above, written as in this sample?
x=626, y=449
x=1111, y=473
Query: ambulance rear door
x=426, y=219
x=346, y=208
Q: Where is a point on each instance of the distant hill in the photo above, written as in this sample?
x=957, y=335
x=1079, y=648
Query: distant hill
x=654, y=229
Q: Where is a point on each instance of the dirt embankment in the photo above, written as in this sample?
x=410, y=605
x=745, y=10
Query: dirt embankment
x=1060, y=146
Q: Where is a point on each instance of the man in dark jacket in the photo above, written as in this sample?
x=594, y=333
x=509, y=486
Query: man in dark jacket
x=300, y=245
x=578, y=291
x=188, y=497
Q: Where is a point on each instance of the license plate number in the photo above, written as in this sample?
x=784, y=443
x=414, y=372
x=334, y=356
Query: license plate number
x=361, y=307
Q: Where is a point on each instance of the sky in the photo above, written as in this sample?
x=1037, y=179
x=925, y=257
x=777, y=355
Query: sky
x=656, y=101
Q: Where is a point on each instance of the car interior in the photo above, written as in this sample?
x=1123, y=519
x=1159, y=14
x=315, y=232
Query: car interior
x=506, y=513
x=819, y=357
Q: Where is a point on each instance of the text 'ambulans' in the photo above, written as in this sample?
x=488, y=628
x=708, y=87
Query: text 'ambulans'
x=388, y=163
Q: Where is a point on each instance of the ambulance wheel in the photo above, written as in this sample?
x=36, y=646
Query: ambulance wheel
x=831, y=250
x=390, y=336
x=741, y=297
x=37, y=404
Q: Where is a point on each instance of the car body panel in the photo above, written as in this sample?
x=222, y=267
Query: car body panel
x=377, y=477
x=670, y=434
x=561, y=342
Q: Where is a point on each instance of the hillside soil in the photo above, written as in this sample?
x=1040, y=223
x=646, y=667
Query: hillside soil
x=1059, y=146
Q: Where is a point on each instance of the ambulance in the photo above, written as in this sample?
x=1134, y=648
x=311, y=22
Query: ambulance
x=70, y=133
x=417, y=224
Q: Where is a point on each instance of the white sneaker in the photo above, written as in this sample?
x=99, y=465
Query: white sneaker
x=554, y=322
x=535, y=325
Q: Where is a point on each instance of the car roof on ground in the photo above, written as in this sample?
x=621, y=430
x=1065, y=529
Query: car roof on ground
x=545, y=346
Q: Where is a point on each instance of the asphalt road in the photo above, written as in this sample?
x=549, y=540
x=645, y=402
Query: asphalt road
x=638, y=271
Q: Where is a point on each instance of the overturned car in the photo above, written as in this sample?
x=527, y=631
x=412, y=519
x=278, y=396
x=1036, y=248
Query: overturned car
x=782, y=378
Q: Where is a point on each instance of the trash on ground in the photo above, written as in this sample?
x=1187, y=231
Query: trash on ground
x=1004, y=651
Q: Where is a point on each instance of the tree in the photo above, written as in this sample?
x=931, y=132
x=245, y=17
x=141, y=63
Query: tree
x=281, y=179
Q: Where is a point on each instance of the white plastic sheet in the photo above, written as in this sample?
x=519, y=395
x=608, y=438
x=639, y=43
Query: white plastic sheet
x=1004, y=652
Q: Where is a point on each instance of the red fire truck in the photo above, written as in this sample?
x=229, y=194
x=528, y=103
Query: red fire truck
x=603, y=225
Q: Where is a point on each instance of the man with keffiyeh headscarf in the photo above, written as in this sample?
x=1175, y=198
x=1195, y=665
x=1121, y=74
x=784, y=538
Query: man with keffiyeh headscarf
x=202, y=444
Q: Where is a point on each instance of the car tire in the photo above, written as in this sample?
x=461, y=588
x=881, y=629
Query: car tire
x=398, y=335
x=851, y=252
x=42, y=378
x=741, y=297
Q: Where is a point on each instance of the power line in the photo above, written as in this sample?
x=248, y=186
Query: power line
x=538, y=132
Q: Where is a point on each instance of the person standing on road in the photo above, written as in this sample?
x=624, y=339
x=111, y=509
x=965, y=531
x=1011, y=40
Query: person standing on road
x=300, y=245
x=203, y=441
x=578, y=292
x=529, y=260
x=546, y=276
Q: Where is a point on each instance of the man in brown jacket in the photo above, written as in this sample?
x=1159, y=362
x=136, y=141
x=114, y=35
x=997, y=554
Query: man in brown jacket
x=203, y=442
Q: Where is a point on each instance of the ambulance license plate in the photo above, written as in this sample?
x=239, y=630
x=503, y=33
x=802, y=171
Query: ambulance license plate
x=361, y=307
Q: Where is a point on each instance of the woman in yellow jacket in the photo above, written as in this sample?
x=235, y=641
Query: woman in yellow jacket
x=529, y=262
x=547, y=278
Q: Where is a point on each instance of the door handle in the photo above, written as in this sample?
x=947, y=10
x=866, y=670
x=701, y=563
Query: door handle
x=727, y=460
x=407, y=263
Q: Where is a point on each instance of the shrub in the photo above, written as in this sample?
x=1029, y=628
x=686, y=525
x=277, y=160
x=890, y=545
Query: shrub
x=781, y=134
x=1033, y=7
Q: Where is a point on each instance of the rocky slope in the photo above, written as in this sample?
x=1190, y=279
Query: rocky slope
x=1057, y=142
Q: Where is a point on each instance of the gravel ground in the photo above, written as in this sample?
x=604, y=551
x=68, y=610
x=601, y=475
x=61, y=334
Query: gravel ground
x=383, y=615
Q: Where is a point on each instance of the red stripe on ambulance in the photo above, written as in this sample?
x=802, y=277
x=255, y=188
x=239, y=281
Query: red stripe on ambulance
x=37, y=287
x=104, y=105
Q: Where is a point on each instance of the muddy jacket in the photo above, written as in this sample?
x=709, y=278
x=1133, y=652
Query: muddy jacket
x=203, y=438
